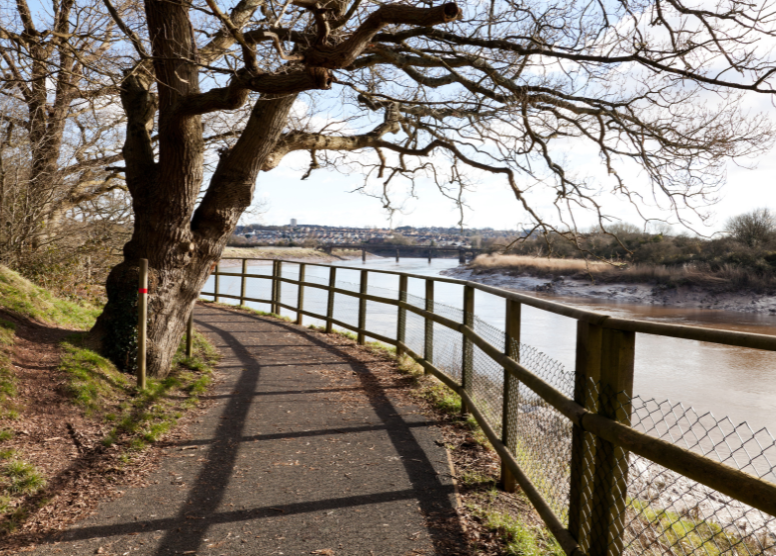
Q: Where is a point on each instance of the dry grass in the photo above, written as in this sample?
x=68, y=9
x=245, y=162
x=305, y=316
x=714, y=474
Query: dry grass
x=726, y=278
x=542, y=264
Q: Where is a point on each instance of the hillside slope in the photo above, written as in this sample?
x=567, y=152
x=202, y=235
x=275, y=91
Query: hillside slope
x=72, y=427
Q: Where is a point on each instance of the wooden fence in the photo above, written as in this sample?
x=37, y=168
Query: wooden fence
x=604, y=356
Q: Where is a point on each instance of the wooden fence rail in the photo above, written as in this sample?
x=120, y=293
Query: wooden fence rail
x=605, y=355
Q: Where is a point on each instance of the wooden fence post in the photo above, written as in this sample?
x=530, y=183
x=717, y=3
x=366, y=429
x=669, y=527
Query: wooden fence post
x=300, y=294
x=218, y=278
x=142, y=321
x=362, y=308
x=467, y=368
x=401, y=318
x=278, y=288
x=243, y=279
x=610, y=473
x=190, y=333
x=510, y=408
x=587, y=372
x=428, y=347
x=273, y=288
x=330, y=305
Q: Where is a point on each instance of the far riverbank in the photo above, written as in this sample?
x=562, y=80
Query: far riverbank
x=571, y=284
x=298, y=254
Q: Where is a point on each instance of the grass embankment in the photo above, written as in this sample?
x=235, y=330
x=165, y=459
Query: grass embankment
x=106, y=397
x=7, y=376
x=23, y=298
x=725, y=278
x=142, y=417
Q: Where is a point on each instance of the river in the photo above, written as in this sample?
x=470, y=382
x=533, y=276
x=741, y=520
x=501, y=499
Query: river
x=726, y=381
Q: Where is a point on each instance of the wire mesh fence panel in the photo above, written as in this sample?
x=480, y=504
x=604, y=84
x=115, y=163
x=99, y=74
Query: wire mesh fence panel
x=448, y=351
x=543, y=434
x=346, y=309
x=492, y=334
x=414, y=335
x=258, y=288
x=229, y=285
x=382, y=291
x=416, y=301
x=289, y=294
x=347, y=285
x=381, y=318
x=488, y=387
x=663, y=512
x=448, y=311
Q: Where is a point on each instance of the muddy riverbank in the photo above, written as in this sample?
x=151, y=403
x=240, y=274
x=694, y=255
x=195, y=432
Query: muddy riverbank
x=686, y=297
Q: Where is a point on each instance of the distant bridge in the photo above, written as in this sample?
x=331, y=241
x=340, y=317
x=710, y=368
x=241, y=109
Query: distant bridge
x=414, y=251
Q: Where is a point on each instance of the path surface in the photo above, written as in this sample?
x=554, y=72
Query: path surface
x=304, y=451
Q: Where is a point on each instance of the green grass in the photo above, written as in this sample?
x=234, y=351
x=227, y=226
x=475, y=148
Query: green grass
x=94, y=383
x=519, y=539
x=140, y=418
x=18, y=479
x=21, y=297
x=7, y=376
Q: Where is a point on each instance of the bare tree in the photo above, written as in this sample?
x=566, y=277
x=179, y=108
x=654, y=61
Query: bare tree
x=753, y=228
x=400, y=92
x=56, y=101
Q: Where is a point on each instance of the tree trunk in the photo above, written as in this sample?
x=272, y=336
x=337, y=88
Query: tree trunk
x=181, y=249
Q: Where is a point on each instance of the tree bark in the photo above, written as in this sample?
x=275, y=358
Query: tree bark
x=181, y=250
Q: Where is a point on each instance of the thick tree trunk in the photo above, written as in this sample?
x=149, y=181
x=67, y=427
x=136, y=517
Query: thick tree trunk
x=181, y=243
x=180, y=249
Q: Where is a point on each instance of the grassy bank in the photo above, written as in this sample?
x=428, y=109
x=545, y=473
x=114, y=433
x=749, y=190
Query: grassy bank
x=137, y=418
x=21, y=297
x=93, y=412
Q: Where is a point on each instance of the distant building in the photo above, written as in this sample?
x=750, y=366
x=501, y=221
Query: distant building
x=293, y=221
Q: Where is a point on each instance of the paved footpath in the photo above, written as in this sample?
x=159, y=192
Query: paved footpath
x=302, y=452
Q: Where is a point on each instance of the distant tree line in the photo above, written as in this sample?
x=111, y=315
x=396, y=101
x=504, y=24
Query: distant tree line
x=748, y=242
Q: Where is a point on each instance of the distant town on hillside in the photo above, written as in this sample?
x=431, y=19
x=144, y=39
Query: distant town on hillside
x=311, y=235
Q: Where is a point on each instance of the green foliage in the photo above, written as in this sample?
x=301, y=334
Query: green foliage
x=21, y=297
x=18, y=481
x=6, y=434
x=442, y=398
